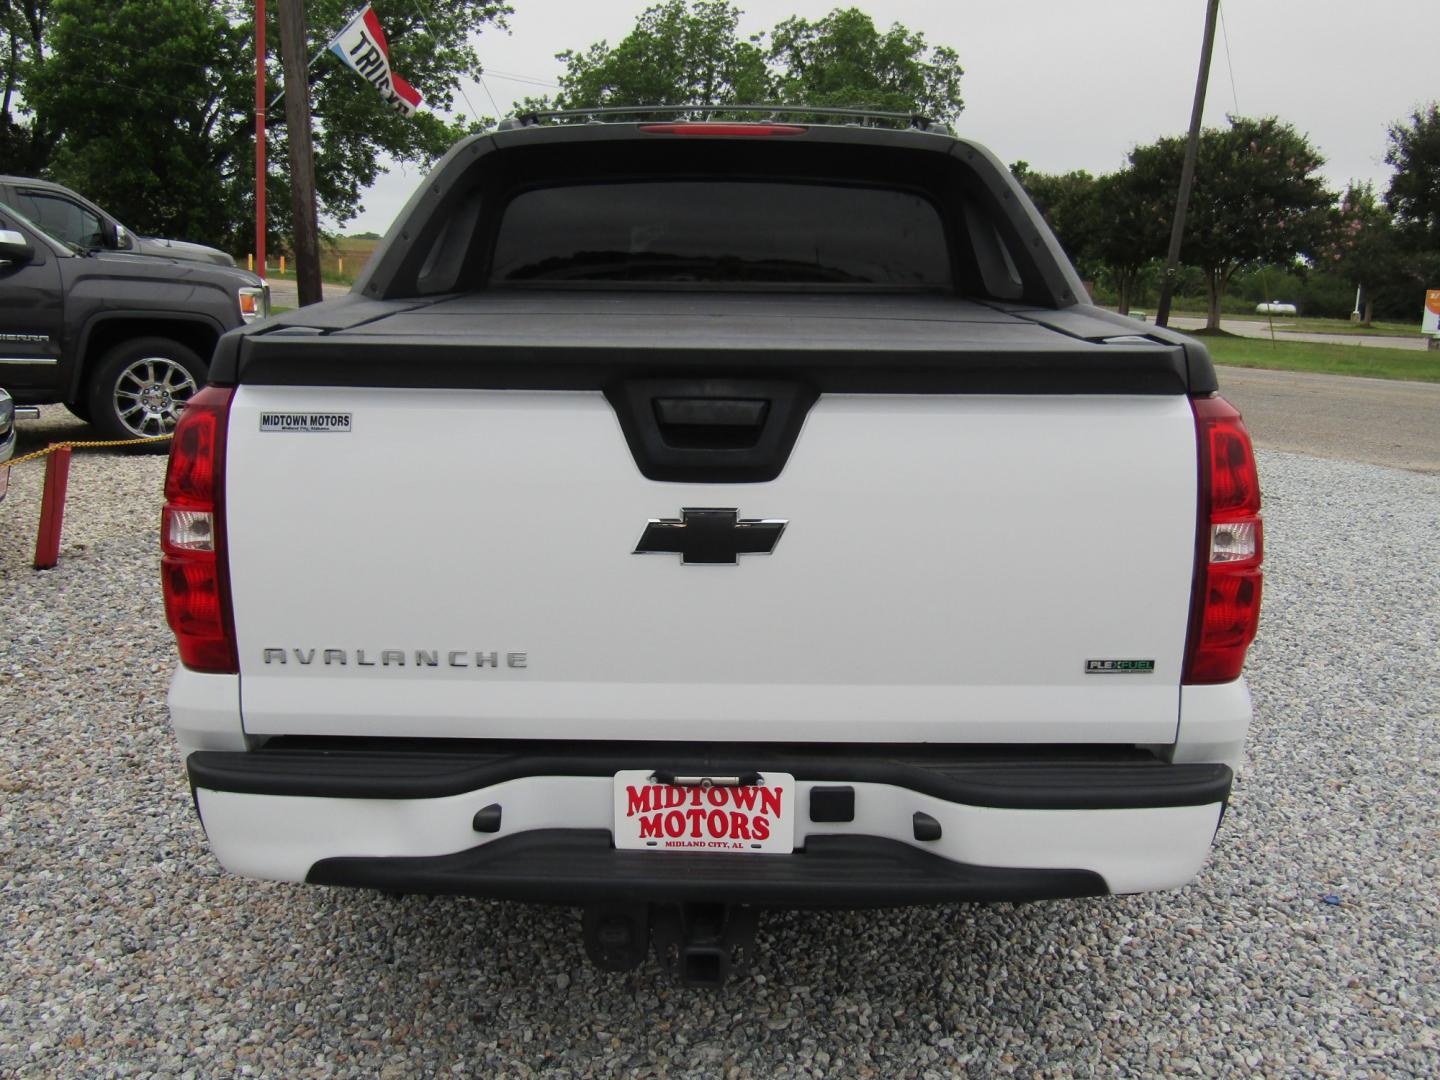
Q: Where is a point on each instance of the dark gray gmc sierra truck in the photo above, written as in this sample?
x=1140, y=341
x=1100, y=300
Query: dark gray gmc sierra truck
x=122, y=339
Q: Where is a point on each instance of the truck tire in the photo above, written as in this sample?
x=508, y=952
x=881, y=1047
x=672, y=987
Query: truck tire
x=139, y=387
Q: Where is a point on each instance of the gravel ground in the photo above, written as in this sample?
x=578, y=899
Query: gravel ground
x=1308, y=946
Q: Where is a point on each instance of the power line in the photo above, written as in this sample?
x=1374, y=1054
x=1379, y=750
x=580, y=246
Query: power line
x=510, y=76
x=474, y=112
x=1229, y=63
x=493, y=103
x=1235, y=97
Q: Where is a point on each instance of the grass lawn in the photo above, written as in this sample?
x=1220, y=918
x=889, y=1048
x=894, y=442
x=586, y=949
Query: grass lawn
x=340, y=261
x=1285, y=323
x=1330, y=359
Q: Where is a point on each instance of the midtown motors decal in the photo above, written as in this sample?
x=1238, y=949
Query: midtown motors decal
x=305, y=421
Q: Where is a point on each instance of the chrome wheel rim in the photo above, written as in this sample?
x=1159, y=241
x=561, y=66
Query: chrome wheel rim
x=150, y=393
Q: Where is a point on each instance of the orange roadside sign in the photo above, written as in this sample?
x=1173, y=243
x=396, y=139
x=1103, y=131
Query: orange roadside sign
x=1432, y=300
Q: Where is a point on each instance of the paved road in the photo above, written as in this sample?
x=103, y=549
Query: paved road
x=1380, y=421
x=286, y=294
x=1252, y=329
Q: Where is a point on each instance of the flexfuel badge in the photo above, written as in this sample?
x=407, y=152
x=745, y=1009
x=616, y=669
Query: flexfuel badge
x=1119, y=667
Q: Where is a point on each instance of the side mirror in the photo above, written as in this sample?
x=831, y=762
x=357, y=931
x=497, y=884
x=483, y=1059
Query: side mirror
x=122, y=238
x=14, y=247
x=109, y=234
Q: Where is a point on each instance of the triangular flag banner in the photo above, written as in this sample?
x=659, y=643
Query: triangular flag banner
x=362, y=46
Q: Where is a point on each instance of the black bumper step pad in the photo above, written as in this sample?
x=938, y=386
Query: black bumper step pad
x=580, y=867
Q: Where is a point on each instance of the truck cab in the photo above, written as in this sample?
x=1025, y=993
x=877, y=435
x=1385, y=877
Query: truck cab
x=69, y=216
x=122, y=339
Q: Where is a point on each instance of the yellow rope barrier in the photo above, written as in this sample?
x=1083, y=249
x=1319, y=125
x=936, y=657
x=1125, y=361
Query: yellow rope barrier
x=82, y=444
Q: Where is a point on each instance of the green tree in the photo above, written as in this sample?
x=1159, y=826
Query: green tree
x=25, y=142
x=1414, y=198
x=689, y=52
x=1363, y=250
x=432, y=46
x=1107, y=225
x=149, y=137
x=1414, y=193
x=1069, y=203
x=1133, y=231
x=678, y=54
x=153, y=104
x=1258, y=197
x=843, y=60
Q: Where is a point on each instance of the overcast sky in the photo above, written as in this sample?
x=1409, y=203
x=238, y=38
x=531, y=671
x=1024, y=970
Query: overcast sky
x=1065, y=85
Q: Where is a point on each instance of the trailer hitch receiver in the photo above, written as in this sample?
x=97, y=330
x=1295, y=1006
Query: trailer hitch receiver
x=699, y=945
x=702, y=945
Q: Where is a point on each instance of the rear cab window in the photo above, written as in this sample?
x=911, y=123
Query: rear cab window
x=639, y=212
x=721, y=232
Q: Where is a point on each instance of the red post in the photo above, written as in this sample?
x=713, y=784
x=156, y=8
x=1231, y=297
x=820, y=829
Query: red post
x=260, y=137
x=52, y=509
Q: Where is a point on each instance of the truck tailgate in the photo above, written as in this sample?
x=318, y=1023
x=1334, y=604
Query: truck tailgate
x=461, y=563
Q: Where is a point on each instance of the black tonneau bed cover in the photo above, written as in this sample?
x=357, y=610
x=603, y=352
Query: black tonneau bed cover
x=838, y=342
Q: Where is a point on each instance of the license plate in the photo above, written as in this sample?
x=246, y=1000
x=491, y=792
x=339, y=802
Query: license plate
x=754, y=818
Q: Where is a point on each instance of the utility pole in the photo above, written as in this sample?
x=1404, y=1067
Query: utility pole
x=302, y=157
x=1187, y=171
x=260, y=137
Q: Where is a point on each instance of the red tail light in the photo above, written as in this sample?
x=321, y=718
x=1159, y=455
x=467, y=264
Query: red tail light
x=192, y=536
x=713, y=128
x=1225, y=602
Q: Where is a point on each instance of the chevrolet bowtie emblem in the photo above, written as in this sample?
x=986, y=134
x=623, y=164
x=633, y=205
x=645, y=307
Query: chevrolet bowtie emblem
x=709, y=536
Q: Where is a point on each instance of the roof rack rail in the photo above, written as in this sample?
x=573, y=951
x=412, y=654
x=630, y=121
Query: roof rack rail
x=532, y=119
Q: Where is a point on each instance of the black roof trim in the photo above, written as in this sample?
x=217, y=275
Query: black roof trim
x=914, y=120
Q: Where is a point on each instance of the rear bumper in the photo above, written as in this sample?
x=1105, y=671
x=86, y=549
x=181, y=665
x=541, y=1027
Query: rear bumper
x=1017, y=826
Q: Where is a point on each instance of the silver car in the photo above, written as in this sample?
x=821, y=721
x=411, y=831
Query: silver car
x=8, y=412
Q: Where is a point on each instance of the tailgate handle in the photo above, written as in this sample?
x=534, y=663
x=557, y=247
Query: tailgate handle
x=710, y=423
x=709, y=430
x=711, y=412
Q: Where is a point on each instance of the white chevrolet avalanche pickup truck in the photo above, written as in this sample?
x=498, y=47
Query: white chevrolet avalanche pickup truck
x=683, y=519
